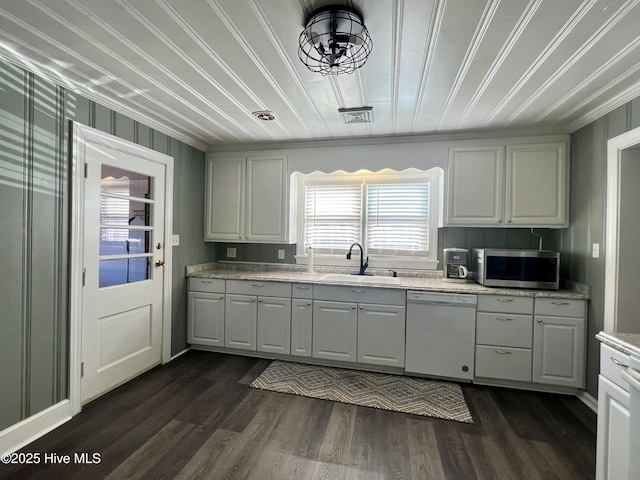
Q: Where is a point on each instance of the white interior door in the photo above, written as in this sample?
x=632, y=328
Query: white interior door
x=123, y=260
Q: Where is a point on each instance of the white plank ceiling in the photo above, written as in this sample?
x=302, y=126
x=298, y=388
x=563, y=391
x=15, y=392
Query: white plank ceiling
x=196, y=69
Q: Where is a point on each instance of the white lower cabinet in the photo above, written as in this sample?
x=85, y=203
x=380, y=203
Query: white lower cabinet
x=381, y=334
x=205, y=319
x=612, y=449
x=301, y=325
x=258, y=316
x=240, y=322
x=274, y=325
x=558, y=351
x=559, y=342
x=335, y=330
x=504, y=338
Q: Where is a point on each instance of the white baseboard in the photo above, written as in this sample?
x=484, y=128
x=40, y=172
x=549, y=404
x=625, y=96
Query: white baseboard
x=588, y=400
x=179, y=354
x=32, y=428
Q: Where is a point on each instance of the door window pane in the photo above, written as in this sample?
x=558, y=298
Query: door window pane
x=125, y=226
x=124, y=270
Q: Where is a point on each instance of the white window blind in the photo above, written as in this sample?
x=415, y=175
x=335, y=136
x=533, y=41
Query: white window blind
x=397, y=218
x=333, y=217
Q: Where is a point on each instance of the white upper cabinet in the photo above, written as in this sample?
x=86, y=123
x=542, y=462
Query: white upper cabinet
x=521, y=185
x=246, y=199
x=537, y=184
x=475, y=184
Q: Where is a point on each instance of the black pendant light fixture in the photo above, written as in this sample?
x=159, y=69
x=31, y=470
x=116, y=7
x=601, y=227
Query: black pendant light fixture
x=334, y=41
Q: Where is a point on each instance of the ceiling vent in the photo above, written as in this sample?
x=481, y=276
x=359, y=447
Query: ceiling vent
x=356, y=115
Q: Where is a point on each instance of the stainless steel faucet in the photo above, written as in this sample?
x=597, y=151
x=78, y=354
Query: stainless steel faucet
x=363, y=266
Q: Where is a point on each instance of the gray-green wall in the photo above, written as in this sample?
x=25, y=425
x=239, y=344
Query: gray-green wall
x=587, y=218
x=34, y=223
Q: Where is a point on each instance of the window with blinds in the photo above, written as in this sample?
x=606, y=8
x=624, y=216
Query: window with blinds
x=397, y=219
x=386, y=218
x=333, y=217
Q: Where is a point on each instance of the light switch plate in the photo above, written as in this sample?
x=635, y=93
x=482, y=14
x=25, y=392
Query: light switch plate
x=231, y=252
x=175, y=240
x=595, y=250
x=281, y=254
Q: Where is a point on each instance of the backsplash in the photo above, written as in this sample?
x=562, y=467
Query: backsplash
x=462, y=237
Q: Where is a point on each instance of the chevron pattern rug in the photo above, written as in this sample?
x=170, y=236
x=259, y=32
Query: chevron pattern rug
x=418, y=396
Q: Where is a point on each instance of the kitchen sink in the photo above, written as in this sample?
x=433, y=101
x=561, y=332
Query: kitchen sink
x=369, y=279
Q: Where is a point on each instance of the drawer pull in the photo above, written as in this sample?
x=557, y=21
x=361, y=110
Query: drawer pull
x=504, y=300
x=357, y=291
x=257, y=285
x=206, y=281
x=618, y=362
x=560, y=303
x=502, y=352
x=302, y=288
x=504, y=319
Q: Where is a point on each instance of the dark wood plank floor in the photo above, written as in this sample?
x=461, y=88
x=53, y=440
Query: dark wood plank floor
x=197, y=418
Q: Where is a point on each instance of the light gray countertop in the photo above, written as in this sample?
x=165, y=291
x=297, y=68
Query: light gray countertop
x=628, y=343
x=429, y=281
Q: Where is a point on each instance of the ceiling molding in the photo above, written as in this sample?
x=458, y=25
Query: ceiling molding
x=515, y=135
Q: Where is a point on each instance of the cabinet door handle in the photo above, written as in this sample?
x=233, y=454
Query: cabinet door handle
x=253, y=300
x=502, y=352
x=504, y=319
x=308, y=303
x=353, y=307
x=259, y=300
x=361, y=307
x=221, y=297
x=618, y=362
x=559, y=303
x=504, y=300
x=539, y=320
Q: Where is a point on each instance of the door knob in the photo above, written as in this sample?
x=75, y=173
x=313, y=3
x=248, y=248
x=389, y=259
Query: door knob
x=159, y=263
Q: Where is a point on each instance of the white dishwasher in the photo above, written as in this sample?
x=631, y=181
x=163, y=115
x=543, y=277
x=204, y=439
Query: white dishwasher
x=441, y=333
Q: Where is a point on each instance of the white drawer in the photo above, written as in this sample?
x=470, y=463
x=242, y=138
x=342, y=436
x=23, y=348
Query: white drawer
x=505, y=329
x=505, y=304
x=214, y=285
x=503, y=363
x=265, y=289
x=612, y=364
x=302, y=290
x=559, y=307
x=379, y=296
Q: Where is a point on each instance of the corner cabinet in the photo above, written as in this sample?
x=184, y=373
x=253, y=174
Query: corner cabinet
x=523, y=185
x=246, y=199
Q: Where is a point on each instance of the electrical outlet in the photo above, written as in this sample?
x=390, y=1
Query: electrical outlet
x=281, y=254
x=231, y=252
x=595, y=250
x=175, y=240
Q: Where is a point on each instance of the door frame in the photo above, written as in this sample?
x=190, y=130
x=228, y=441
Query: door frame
x=615, y=147
x=81, y=136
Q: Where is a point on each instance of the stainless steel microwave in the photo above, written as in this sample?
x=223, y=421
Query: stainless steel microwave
x=516, y=268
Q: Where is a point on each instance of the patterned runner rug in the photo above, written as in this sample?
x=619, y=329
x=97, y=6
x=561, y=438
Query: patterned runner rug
x=431, y=398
